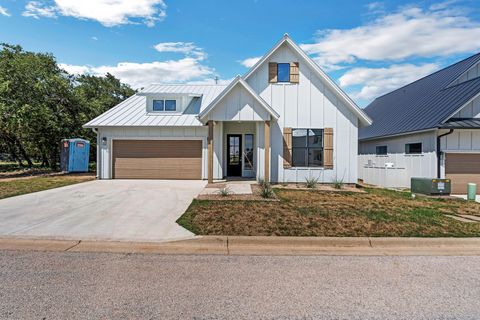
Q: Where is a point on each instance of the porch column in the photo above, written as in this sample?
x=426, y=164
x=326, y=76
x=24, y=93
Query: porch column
x=210, y=151
x=266, y=176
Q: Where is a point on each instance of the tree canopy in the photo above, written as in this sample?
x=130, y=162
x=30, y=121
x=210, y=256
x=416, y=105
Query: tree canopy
x=40, y=104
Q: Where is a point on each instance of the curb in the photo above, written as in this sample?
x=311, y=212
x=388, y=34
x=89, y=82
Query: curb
x=244, y=245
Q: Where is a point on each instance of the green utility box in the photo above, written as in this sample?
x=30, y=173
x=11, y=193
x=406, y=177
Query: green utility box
x=431, y=186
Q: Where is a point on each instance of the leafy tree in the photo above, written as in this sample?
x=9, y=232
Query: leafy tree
x=40, y=104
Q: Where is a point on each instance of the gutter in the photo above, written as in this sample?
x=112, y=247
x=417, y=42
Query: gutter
x=439, y=152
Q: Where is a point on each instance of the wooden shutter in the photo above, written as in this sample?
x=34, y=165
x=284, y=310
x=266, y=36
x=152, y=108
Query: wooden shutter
x=328, y=148
x=272, y=72
x=294, y=73
x=287, y=148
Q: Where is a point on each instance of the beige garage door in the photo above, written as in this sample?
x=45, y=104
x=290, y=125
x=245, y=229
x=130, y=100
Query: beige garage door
x=157, y=159
x=462, y=168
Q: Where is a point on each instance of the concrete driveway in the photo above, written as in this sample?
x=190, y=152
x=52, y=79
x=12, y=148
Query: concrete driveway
x=130, y=210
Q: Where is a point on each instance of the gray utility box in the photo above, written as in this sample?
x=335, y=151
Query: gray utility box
x=431, y=186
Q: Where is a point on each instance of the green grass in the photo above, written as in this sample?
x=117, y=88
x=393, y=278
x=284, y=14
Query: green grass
x=28, y=185
x=378, y=212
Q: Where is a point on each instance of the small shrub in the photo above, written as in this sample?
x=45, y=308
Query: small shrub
x=266, y=190
x=224, y=192
x=337, y=183
x=311, y=183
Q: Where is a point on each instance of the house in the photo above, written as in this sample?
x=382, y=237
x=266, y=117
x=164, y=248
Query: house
x=428, y=128
x=285, y=120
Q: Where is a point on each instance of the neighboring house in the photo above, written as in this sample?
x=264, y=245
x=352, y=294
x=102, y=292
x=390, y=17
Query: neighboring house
x=285, y=120
x=428, y=128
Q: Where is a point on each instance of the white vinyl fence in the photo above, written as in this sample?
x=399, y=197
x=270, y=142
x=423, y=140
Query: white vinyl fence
x=395, y=170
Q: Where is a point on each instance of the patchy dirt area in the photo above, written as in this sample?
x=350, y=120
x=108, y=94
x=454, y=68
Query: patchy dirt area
x=10, y=187
x=255, y=196
x=320, y=187
x=377, y=212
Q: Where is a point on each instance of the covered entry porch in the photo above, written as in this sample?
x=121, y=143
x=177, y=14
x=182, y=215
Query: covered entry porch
x=239, y=123
x=238, y=149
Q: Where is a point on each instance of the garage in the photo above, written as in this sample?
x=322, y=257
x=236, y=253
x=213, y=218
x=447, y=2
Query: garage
x=462, y=168
x=157, y=159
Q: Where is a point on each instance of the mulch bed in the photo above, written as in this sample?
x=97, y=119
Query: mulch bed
x=256, y=196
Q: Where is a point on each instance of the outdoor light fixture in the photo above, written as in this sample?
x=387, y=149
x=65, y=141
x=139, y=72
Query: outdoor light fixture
x=104, y=141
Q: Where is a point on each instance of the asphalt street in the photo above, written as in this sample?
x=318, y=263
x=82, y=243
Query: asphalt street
x=58, y=285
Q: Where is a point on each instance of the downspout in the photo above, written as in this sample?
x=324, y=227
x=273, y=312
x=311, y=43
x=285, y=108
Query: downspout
x=98, y=155
x=439, y=152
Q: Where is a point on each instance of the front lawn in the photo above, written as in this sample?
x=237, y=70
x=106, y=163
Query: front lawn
x=18, y=186
x=378, y=212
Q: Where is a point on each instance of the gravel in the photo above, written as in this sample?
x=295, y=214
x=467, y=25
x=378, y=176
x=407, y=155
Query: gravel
x=53, y=285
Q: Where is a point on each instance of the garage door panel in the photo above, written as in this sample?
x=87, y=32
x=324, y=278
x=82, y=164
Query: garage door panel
x=157, y=159
x=461, y=169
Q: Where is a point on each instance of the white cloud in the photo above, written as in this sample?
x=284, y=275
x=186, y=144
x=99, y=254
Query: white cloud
x=141, y=74
x=378, y=81
x=187, y=48
x=94, y=38
x=250, y=62
x=409, y=32
x=108, y=12
x=36, y=9
x=73, y=69
x=4, y=12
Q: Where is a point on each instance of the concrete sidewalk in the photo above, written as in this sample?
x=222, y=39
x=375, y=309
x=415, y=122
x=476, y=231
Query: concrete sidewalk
x=240, y=245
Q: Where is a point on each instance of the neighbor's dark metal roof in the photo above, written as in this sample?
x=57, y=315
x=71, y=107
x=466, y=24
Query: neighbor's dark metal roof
x=456, y=123
x=423, y=104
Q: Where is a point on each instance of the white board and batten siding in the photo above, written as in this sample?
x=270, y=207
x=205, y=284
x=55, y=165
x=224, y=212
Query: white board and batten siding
x=308, y=104
x=157, y=133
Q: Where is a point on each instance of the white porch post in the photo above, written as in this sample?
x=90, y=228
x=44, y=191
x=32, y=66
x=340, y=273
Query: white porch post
x=267, y=152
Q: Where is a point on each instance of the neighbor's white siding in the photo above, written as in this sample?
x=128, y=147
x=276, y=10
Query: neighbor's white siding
x=372, y=167
x=308, y=104
x=471, y=110
x=104, y=161
x=473, y=72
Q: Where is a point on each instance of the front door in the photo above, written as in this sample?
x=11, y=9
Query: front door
x=234, y=155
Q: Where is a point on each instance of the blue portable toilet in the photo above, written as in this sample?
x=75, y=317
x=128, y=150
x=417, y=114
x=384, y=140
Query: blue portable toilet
x=74, y=155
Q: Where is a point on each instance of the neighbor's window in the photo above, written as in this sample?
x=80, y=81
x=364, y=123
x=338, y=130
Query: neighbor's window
x=164, y=105
x=248, y=152
x=307, y=147
x=413, y=148
x=381, y=150
x=283, y=72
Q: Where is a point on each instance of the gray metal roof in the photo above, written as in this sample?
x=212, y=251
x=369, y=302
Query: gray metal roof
x=423, y=104
x=132, y=111
x=456, y=123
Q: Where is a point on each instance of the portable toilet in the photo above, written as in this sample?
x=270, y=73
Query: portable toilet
x=74, y=155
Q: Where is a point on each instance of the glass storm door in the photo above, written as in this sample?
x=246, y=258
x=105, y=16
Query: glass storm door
x=234, y=155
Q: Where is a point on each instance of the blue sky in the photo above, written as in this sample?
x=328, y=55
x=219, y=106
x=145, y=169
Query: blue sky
x=368, y=47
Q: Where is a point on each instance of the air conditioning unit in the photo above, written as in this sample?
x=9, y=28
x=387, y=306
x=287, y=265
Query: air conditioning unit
x=429, y=186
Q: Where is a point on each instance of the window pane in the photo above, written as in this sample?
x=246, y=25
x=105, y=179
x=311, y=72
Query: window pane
x=283, y=72
x=248, y=152
x=315, y=138
x=299, y=157
x=315, y=157
x=299, y=138
x=170, y=105
x=413, y=148
x=381, y=150
x=158, y=105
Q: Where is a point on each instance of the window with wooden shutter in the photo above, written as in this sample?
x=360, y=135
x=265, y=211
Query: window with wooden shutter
x=294, y=72
x=272, y=72
x=287, y=148
x=328, y=148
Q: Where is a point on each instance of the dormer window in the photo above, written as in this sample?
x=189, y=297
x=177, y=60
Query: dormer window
x=164, y=105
